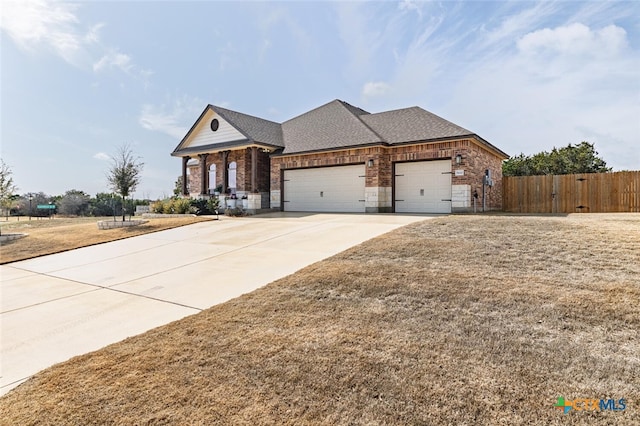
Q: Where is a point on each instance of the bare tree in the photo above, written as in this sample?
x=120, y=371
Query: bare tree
x=125, y=173
x=75, y=203
x=7, y=188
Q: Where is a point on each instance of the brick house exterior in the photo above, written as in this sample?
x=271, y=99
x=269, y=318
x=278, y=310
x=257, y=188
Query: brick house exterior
x=337, y=134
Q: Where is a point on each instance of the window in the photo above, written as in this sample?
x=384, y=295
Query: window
x=232, y=176
x=212, y=178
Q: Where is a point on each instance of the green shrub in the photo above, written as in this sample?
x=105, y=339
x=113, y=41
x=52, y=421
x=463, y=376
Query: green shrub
x=181, y=205
x=175, y=206
x=213, y=204
x=168, y=207
x=203, y=206
x=157, y=207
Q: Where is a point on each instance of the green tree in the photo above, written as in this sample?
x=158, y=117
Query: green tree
x=7, y=188
x=125, y=173
x=105, y=204
x=177, y=189
x=581, y=158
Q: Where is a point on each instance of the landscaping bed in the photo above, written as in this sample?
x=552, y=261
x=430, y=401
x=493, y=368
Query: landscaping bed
x=113, y=224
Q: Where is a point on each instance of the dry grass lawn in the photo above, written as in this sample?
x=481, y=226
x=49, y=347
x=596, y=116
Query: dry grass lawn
x=48, y=236
x=460, y=320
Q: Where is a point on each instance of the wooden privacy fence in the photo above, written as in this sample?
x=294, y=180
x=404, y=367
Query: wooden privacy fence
x=579, y=193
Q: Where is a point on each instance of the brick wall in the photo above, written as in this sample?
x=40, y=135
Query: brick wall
x=475, y=159
x=194, y=180
x=324, y=159
x=242, y=157
x=264, y=170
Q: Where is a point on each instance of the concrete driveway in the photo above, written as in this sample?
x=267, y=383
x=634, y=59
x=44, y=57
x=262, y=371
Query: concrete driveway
x=59, y=306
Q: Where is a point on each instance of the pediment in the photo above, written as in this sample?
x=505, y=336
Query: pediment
x=210, y=130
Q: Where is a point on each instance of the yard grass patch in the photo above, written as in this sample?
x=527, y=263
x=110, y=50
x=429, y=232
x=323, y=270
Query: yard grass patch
x=456, y=320
x=48, y=236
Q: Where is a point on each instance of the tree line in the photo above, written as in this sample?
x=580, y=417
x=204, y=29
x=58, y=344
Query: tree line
x=123, y=177
x=571, y=159
x=72, y=203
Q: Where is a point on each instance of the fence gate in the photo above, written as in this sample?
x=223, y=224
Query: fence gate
x=577, y=193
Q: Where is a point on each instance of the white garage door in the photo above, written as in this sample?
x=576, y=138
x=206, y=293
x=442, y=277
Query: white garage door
x=423, y=187
x=325, y=189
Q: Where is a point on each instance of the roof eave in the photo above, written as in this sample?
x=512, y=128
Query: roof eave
x=493, y=147
x=241, y=143
x=337, y=148
x=481, y=141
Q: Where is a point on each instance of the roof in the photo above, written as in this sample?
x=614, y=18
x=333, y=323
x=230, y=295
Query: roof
x=339, y=125
x=333, y=125
x=412, y=124
x=254, y=128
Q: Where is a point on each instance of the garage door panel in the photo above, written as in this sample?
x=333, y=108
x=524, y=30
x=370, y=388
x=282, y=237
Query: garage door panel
x=325, y=189
x=423, y=187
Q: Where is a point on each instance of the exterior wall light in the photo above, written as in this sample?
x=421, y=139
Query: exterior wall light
x=370, y=162
x=458, y=158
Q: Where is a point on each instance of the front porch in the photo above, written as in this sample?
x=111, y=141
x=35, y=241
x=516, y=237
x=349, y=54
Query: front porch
x=234, y=174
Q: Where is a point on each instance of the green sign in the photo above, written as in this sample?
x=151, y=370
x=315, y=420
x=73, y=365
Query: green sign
x=46, y=206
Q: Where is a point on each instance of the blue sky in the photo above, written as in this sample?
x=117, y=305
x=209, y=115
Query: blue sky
x=79, y=80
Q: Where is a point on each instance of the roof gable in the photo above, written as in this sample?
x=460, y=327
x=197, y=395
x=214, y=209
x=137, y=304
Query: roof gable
x=202, y=134
x=232, y=127
x=254, y=128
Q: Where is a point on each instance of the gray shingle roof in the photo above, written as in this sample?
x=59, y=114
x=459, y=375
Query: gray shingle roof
x=338, y=125
x=333, y=125
x=257, y=129
x=412, y=124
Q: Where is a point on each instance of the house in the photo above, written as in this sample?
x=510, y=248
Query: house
x=340, y=158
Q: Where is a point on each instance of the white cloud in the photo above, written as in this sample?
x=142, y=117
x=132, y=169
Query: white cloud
x=174, y=120
x=516, y=24
x=101, y=156
x=114, y=59
x=375, y=88
x=93, y=35
x=562, y=85
x=47, y=25
x=410, y=5
x=575, y=39
x=35, y=23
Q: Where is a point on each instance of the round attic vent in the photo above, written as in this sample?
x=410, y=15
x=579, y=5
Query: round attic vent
x=214, y=124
